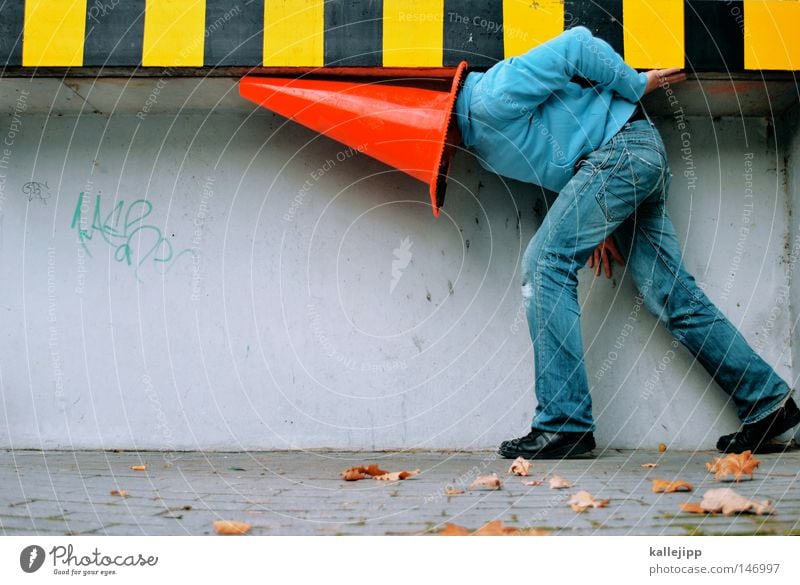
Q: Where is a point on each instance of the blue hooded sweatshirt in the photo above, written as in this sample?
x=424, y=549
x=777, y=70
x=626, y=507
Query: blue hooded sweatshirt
x=532, y=117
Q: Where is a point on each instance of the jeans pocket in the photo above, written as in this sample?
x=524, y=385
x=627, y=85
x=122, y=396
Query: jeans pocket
x=620, y=180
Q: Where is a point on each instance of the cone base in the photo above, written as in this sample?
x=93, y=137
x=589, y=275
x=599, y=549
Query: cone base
x=451, y=139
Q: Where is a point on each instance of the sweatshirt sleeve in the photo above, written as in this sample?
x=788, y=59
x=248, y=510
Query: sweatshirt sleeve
x=518, y=85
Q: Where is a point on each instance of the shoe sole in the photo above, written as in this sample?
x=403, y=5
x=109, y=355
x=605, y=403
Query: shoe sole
x=767, y=445
x=578, y=451
x=773, y=447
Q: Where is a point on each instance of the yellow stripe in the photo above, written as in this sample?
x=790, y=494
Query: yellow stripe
x=54, y=33
x=770, y=34
x=527, y=24
x=653, y=33
x=174, y=33
x=293, y=33
x=413, y=33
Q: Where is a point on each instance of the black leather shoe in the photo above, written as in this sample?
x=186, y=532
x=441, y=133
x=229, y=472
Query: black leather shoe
x=756, y=437
x=548, y=445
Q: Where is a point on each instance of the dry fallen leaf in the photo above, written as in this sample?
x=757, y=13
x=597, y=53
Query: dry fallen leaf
x=486, y=482
x=728, y=502
x=374, y=470
x=396, y=475
x=692, y=508
x=139, y=467
x=520, y=466
x=353, y=474
x=649, y=465
x=533, y=482
x=583, y=500
x=733, y=466
x=662, y=447
x=453, y=530
x=559, y=483
x=120, y=493
x=453, y=492
x=362, y=472
x=668, y=487
x=493, y=528
x=231, y=527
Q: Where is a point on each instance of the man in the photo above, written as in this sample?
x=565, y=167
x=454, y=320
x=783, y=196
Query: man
x=565, y=116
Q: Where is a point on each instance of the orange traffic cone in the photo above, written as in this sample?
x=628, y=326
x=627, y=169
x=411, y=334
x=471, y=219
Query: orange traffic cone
x=411, y=129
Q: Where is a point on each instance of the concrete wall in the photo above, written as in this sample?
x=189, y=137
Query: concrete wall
x=244, y=283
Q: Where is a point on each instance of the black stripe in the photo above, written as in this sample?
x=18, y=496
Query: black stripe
x=602, y=17
x=114, y=33
x=12, y=15
x=473, y=31
x=234, y=34
x=354, y=33
x=714, y=35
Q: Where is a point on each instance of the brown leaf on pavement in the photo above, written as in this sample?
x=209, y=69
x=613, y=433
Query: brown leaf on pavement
x=692, y=508
x=353, y=474
x=520, y=466
x=362, y=472
x=230, y=527
x=453, y=492
x=533, y=482
x=728, y=502
x=733, y=466
x=493, y=528
x=486, y=482
x=649, y=465
x=453, y=530
x=120, y=493
x=396, y=475
x=374, y=470
x=668, y=487
x=583, y=500
x=559, y=483
x=139, y=467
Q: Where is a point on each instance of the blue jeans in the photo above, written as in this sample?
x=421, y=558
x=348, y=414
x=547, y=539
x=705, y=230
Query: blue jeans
x=621, y=189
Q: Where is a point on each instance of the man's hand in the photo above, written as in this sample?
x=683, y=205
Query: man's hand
x=601, y=257
x=662, y=78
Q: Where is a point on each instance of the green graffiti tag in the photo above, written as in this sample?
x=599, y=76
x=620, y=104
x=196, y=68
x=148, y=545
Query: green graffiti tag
x=125, y=231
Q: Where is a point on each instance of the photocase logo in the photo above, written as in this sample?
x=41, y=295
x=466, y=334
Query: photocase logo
x=402, y=256
x=31, y=558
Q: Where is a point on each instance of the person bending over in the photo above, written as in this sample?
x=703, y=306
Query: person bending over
x=565, y=116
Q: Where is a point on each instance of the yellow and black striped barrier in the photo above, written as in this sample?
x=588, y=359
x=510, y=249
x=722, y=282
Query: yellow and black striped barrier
x=702, y=35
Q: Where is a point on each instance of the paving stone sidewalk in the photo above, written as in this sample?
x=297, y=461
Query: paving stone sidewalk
x=290, y=493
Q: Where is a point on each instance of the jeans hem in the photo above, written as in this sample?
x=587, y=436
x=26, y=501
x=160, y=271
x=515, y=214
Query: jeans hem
x=561, y=429
x=771, y=410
